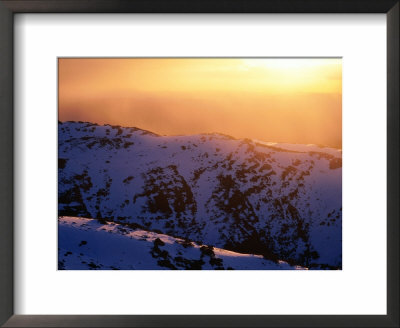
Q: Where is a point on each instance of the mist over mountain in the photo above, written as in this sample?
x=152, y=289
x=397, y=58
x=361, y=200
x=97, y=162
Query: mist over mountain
x=282, y=202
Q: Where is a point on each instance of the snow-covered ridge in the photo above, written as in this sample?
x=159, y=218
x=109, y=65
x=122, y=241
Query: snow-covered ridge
x=302, y=148
x=279, y=200
x=88, y=244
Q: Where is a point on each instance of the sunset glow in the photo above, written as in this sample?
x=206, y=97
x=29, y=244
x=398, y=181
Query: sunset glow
x=273, y=100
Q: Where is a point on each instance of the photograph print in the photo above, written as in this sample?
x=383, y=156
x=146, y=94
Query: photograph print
x=199, y=164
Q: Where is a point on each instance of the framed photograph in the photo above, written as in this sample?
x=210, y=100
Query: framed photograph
x=199, y=164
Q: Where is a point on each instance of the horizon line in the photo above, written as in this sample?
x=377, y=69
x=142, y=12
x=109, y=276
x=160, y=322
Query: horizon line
x=259, y=142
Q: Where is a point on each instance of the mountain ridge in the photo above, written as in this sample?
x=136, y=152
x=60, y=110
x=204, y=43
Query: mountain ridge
x=260, y=142
x=231, y=193
x=88, y=244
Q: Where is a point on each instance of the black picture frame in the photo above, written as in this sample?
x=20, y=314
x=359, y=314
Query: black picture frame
x=10, y=7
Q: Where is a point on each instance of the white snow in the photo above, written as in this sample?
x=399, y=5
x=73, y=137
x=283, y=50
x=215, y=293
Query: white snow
x=88, y=244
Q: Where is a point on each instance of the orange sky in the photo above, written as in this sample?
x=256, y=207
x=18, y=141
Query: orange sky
x=280, y=100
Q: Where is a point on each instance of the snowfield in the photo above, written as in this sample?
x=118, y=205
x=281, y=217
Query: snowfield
x=87, y=244
x=280, y=201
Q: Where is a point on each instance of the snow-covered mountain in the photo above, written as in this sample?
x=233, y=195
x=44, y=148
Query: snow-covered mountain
x=280, y=201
